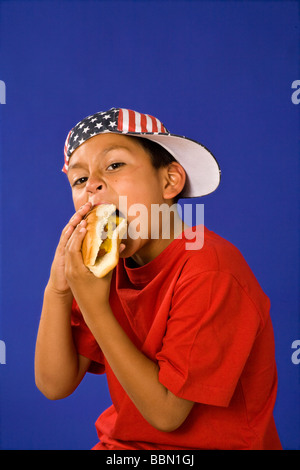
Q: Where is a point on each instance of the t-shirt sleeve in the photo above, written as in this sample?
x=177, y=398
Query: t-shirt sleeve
x=210, y=332
x=85, y=343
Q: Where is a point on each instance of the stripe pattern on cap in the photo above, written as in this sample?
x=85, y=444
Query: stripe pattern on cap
x=131, y=121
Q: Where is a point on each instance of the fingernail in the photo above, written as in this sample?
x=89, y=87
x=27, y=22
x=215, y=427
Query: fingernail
x=83, y=205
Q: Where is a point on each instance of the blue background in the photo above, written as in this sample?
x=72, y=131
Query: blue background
x=217, y=71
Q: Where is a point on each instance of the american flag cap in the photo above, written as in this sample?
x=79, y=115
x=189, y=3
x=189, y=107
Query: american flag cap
x=201, y=167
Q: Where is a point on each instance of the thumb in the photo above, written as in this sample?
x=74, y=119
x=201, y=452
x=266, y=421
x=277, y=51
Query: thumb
x=121, y=247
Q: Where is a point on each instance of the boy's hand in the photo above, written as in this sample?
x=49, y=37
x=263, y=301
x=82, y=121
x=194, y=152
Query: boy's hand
x=58, y=281
x=89, y=291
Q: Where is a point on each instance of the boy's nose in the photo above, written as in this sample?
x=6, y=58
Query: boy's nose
x=94, y=185
x=95, y=189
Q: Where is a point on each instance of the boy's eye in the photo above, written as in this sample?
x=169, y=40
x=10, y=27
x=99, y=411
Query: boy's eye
x=80, y=181
x=115, y=166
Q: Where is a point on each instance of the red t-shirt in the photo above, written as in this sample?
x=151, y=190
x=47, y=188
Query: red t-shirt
x=202, y=316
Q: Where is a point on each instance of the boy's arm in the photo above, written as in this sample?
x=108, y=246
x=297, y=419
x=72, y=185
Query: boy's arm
x=58, y=367
x=137, y=374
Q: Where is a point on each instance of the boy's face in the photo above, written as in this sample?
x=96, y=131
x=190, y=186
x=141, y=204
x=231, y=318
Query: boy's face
x=108, y=166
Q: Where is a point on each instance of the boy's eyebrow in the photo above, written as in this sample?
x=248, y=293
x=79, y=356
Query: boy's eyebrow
x=104, y=152
x=75, y=165
x=113, y=147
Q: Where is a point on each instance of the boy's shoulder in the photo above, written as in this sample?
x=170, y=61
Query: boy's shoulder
x=215, y=254
x=221, y=258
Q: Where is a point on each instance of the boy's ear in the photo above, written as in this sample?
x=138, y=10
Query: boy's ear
x=174, y=180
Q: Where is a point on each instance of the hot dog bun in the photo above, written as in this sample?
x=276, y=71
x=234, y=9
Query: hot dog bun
x=100, y=247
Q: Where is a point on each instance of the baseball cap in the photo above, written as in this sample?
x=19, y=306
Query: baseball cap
x=201, y=167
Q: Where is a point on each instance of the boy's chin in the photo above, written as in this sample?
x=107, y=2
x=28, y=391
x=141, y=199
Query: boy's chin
x=123, y=254
x=130, y=247
x=126, y=249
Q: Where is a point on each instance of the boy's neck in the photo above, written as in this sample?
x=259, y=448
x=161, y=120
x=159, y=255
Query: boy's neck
x=155, y=246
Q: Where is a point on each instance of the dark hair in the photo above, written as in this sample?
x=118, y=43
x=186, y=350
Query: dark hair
x=160, y=157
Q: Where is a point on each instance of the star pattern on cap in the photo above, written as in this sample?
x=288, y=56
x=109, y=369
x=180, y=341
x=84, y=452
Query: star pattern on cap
x=91, y=125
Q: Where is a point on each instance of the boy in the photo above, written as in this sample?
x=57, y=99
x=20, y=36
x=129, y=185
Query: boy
x=183, y=335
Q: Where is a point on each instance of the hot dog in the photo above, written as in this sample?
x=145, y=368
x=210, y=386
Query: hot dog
x=100, y=246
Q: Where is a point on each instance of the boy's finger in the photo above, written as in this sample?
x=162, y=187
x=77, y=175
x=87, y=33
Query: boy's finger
x=73, y=223
x=73, y=256
x=78, y=216
x=65, y=236
x=75, y=241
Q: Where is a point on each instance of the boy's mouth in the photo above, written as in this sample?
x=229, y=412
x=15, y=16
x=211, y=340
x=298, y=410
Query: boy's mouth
x=117, y=213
